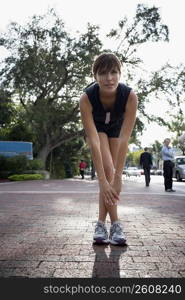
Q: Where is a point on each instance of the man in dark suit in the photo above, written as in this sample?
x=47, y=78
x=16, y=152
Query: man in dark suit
x=146, y=163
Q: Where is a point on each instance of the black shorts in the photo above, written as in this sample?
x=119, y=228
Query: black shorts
x=112, y=130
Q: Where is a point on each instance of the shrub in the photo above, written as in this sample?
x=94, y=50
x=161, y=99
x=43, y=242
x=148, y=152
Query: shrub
x=15, y=164
x=3, y=162
x=19, y=177
x=18, y=164
x=35, y=164
x=58, y=171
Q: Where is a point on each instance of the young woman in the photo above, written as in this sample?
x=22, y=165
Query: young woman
x=108, y=113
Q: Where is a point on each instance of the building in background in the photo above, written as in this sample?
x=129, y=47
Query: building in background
x=13, y=148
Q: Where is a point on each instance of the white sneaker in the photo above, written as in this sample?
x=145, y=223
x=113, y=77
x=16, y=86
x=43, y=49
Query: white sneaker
x=100, y=235
x=117, y=237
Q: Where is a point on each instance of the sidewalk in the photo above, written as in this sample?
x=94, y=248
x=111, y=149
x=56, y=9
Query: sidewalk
x=47, y=227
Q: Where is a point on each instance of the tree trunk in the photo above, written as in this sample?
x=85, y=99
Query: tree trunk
x=51, y=145
x=43, y=154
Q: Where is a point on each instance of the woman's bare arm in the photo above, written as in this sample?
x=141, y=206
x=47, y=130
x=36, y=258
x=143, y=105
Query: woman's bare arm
x=126, y=131
x=92, y=135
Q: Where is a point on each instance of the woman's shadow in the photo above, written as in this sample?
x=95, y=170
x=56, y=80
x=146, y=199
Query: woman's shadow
x=107, y=266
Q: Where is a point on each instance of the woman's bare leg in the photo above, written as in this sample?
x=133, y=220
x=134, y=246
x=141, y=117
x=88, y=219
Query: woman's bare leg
x=114, y=144
x=109, y=172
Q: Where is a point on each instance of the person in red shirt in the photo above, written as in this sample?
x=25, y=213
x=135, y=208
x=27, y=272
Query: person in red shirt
x=82, y=167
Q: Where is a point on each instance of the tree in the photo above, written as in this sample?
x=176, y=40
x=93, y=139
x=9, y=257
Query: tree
x=171, y=89
x=129, y=37
x=177, y=125
x=181, y=141
x=6, y=108
x=62, y=161
x=156, y=150
x=146, y=26
x=46, y=71
x=133, y=158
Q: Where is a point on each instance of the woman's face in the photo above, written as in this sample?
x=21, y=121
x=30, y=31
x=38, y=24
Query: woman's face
x=108, y=80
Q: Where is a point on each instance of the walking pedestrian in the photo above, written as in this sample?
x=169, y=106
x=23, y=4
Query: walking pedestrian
x=82, y=167
x=168, y=165
x=146, y=163
x=108, y=112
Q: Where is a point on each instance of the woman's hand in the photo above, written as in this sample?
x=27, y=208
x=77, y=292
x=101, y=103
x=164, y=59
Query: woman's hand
x=108, y=192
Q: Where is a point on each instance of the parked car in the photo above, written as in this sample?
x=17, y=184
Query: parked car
x=152, y=172
x=179, y=168
x=124, y=170
x=158, y=172
x=132, y=171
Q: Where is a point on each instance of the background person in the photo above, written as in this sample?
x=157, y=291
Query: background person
x=108, y=112
x=167, y=156
x=82, y=167
x=146, y=163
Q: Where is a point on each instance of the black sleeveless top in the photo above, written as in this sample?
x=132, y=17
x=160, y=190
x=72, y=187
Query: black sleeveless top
x=116, y=114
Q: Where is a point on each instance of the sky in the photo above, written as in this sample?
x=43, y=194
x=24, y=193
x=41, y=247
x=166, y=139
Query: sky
x=106, y=14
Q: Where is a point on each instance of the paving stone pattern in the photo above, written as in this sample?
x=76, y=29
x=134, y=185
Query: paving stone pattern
x=46, y=231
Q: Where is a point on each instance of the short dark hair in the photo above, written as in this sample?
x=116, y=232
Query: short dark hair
x=105, y=62
x=146, y=148
x=167, y=139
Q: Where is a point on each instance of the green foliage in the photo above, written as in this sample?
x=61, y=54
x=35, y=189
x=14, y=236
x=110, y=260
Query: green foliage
x=63, y=161
x=157, y=147
x=170, y=82
x=6, y=108
x=133, y=158
x=35, y=164
x=47, y=70
x=3, y=162
x=48, y=61
x=20, y=132
x=156, y=150
x=18, y=164
x=19, y=128
x=58, y=170
x=18, y=177
x=146, y=26
x=177, y=125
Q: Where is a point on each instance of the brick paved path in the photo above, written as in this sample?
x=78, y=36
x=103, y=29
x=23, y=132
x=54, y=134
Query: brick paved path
x=46, y=230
